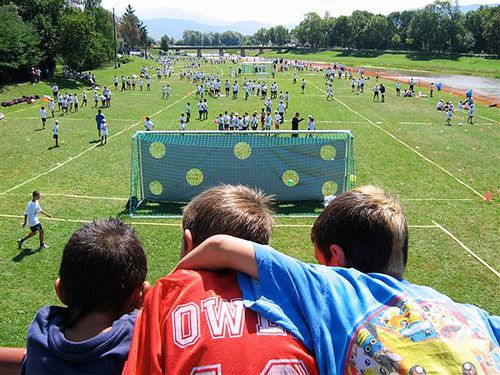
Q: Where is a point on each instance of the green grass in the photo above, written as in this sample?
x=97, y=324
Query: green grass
x=469, y=153
x=447, y=64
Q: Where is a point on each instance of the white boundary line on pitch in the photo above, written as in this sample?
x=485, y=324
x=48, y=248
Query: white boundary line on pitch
x=92, y=147
x=436, y=123
x=178, y=224
x=122, y=199
x=489, y=119
x=70, y=118
x=472, y=253
x=405, y=144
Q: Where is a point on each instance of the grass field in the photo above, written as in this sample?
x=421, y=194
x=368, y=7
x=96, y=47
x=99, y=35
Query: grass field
x=439, y=173
x=446, y=64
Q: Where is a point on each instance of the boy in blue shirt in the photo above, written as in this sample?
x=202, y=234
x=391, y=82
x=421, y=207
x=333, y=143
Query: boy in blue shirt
x=356, y=313
x=102, y=282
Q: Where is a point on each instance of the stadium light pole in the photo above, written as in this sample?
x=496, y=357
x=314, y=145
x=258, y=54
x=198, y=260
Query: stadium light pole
x=114, y=37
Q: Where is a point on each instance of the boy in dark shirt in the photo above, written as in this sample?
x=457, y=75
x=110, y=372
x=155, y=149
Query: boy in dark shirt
x=102, y=282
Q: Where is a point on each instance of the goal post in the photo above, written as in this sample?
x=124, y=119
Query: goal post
x=169, y=168
x=260, y=69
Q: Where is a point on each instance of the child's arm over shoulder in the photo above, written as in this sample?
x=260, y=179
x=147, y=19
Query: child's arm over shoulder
x=221, y=252
x=278, y=287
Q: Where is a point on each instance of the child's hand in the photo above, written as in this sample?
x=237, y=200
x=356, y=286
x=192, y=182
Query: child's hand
x=221, y=252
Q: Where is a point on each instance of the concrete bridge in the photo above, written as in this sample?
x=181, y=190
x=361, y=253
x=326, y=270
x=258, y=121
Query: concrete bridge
x=221, y=49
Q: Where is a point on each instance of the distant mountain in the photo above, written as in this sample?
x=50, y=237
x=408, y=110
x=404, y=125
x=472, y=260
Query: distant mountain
x=471, y=7
x=172, y=27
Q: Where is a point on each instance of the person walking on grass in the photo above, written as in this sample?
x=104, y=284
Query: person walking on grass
x=449, y=115
x=99, y=118
x=55, y=133
x=104, y=132
x=43, y=116
x=31, y=213
x=472, y=108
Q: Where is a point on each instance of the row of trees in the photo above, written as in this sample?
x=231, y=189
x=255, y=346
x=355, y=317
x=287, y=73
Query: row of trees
x=275, y=35
x=44, y=32
x=438, y=27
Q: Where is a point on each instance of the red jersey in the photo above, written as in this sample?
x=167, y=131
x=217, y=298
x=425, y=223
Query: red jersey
x=195, y=323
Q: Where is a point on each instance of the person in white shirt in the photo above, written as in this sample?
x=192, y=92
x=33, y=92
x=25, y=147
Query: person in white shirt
x=182, y=122
x=268, y=120
x=43, y=116
x=55, y=91
x=472, y=108
x=329, y=92
x=254, y=122
x=84, y=98
x=311, y=125
x=188, y=112
x=104, y=132
x=277, y=120
x=148, y=124
x=75, y=101
x=55, y=133
x=31, y=217
x=52, y=107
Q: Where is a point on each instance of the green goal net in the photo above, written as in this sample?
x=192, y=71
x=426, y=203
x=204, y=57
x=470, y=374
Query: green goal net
x=259, y=69
x=300, y=168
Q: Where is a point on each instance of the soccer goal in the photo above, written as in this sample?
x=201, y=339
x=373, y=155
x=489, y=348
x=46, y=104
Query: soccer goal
x=300, y=168
x=259, y=69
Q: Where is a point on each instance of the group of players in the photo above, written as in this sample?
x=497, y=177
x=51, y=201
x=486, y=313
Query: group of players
x=357, y=315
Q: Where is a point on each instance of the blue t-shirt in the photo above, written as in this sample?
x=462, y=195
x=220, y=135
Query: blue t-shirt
x=371, y=323
x=49, y=352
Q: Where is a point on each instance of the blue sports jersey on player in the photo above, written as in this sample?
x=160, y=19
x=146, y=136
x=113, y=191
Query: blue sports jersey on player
x=371, y=323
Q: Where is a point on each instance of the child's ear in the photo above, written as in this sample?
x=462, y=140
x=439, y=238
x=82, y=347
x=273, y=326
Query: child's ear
x=137, y=297
x=59, y=291
x=187, y=243
x=337, y=258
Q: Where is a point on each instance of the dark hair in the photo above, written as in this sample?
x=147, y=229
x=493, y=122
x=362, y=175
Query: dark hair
x=369, y=226
x=103, y=263
x=35, y=193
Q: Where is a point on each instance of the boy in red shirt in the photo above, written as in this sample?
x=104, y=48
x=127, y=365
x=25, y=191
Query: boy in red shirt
x=195, y=322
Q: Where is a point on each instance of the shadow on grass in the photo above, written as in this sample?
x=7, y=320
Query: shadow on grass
x=420, y=56
x=152, y=209
x=25, y=253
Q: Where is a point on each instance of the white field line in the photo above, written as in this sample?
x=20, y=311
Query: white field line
x=406, y=145
x=123, y=199
x=340, y=122
x=61, y=118
x=91, y=147
x=472, y=253
x=179, y=223
x=489, y=119
x=440, y=123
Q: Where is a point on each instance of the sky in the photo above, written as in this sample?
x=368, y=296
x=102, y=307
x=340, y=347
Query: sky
x=267, y=11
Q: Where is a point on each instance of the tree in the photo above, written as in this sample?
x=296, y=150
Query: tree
x=376, y=32
x=19, y=43
x=309, y=30
x=133, y=30
x=281, y=35
x=45, y=16
x=491, y=33
x=81, y=47
x=130, y=32
x=165, y=42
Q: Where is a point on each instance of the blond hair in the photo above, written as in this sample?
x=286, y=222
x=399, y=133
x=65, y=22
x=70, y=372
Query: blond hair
x=230, y=209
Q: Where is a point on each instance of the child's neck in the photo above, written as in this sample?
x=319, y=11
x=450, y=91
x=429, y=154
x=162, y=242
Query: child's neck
x=90, y=326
